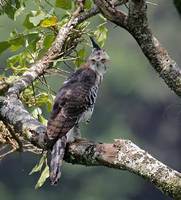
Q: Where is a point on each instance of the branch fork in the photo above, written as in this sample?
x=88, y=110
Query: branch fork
x=122, y=154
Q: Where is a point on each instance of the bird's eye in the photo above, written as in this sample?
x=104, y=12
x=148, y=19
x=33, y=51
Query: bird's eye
x=103, y=60
x=93, y=61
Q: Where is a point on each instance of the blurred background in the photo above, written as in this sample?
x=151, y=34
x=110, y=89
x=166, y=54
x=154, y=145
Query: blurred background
x=133, y=103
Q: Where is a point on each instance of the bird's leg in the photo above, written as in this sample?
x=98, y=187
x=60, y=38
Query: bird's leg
x=77, y=132
x=74, y=134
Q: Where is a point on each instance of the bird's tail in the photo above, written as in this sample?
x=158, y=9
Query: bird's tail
x=57, y=155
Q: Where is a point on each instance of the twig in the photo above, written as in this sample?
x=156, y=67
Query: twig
x=7, y=153
x=15, y=137
x=122, y=154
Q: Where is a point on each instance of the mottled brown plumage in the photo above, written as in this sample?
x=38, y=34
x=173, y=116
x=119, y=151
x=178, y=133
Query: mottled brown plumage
x=70, y=103
x=74, y=103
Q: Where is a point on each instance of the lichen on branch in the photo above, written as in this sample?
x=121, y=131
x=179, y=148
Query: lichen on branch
x=121, y=154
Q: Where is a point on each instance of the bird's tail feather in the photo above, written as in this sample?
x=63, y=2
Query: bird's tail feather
x=57, y=155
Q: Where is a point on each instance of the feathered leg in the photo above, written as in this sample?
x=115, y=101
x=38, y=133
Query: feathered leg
x=73, y=134
x=57, y=155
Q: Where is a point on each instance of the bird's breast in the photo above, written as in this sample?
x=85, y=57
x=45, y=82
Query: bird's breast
x=91, y=99
x=86, y=116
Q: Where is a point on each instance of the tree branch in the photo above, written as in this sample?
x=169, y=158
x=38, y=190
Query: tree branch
x=12, y=109
x=156, y=54
x=39, y=67
x=136, y=23
x=125, y=155
x=108, y=9
x=122, y=154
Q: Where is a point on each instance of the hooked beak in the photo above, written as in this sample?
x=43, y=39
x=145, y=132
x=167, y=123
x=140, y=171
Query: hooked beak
x=94, y=44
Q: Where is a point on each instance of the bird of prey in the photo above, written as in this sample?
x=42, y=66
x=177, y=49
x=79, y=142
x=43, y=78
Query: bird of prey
x=73, y=104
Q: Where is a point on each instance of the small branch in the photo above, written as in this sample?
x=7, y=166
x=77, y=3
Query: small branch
x=114, y=15
x=38, y=68
x=3, y=86
x=41, y=65
x=14, y=136
x=88, y=14
x=7, y=153
x=11, y=108
x=122, y=154
x=125, y=155
x=136, y=23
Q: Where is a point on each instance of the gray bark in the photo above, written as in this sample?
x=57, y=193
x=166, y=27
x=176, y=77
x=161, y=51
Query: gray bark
x=122, y=154
x=136, y=23
x=125, y=155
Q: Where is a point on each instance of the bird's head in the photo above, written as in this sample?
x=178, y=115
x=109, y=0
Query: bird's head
x=98, y=58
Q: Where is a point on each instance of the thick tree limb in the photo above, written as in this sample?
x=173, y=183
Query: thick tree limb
x=125, y=155
x=122, y=154
x=12, y=109
x=156, y=54
x=136, y=23
x=41, y=65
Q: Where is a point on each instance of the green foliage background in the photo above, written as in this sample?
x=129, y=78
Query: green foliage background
x=133, y=103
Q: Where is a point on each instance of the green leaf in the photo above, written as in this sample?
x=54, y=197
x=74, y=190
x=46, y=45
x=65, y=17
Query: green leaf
x=17, y=64
x=32, y=40
x=101, y=34
x=36, y=112
x=64, y=20
x=11, y=7
x=44, y=99
x=81, y=55
x=27, y=22
x=48, y=22
x=64, y=4
x=88, y=4
x=42, y=120
x=11, y=79
x=33, y=19
x=48, y=41
x=43, y=177
x=38, y=16
x=39, y=165
x=4, y=45
x=10, y=10
x=17, y=43
x=18, y=12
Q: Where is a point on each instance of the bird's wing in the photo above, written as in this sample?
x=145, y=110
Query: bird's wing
x=71, y=101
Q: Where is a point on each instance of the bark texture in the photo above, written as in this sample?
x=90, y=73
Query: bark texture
x=136, y=23
x=125, y=155
x=27, y=133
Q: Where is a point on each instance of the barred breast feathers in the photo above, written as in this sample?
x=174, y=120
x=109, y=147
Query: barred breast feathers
x=71, y=101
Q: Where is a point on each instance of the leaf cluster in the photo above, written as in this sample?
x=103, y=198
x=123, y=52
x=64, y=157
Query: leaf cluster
x=41, y=21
